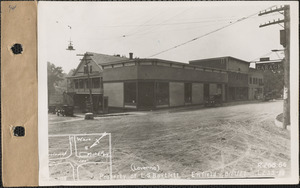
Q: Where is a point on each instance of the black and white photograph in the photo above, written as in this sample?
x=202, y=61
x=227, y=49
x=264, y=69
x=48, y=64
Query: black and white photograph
x=168, y=92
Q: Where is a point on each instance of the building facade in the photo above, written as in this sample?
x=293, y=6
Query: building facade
x=154, y=83
x=87, y=80
x=237, y=70
x=143, y=84
x=256, y=84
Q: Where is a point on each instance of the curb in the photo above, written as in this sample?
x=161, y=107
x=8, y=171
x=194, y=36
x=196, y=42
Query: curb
x=280, y=124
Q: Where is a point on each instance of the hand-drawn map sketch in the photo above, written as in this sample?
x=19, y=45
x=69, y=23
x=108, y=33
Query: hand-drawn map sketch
x=80, y=157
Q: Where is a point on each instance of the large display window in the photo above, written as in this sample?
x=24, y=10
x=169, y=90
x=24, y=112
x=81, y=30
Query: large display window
x=162, y=93
x=130, y=93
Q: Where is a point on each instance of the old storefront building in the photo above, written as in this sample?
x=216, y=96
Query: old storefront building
x=143, y=84
x=256, y=84
x=154, y=83
x=237, y=70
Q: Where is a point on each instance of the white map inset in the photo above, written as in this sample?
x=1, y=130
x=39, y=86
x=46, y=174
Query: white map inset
x=80, y=157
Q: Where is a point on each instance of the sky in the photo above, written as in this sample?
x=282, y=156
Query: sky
x=149, y=28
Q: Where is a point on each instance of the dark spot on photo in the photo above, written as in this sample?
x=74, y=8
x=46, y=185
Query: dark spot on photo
x=19, y=131
x=17, y=48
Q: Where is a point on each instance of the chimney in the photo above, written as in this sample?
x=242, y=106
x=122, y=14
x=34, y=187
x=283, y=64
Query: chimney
x=130, y=55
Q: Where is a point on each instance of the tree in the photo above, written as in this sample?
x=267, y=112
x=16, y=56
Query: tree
x=71, y=72
x=273, y=82
x=55, y=75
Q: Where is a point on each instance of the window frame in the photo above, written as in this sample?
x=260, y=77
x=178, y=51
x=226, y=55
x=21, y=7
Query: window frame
x=164, y=96
x=126, y=101
x=188, y=89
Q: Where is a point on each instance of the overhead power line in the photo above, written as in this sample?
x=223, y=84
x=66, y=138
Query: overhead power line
x=143, y=24
x=206, y=34
x=153, y=27
x=183, y=22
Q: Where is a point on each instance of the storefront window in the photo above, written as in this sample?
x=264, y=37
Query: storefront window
x=188, y=92
x=130, y=93
x=162, y=93
x=219, y=89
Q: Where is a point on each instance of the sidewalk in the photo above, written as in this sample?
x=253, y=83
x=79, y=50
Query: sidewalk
x=201, y=106
x=171, y=109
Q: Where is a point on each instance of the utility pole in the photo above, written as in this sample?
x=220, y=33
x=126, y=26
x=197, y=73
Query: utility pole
x=285, y=42
x=87, y=61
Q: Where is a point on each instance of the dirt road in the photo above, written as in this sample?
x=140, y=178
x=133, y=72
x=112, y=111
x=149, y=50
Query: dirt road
x=224, y=142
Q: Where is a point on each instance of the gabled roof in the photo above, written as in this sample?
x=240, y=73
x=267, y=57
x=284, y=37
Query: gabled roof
x=103, y=58
x=99, y=59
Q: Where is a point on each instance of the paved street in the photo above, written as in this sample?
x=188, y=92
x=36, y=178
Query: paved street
x=232, y=141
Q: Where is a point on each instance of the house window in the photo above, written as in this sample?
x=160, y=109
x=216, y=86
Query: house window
x=162, y=93
x=86, y=83
x=91, y=69
x=85, y=69
x=250, y=80
x=96, y=82
x=130, y=93
x=188, y=92
x=76, y=84
x=80, y=84
x=101, y=82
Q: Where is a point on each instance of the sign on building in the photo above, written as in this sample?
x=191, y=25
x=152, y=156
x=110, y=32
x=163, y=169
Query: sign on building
x=269, y=66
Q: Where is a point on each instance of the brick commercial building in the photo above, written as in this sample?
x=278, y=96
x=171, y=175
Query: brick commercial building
x=142, y=84
x=155, y=83
x=237, y=71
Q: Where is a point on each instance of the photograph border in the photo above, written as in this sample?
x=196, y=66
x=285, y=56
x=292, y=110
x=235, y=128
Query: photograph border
x=294, y=112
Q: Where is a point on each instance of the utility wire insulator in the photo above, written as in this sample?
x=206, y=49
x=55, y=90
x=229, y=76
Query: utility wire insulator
x=277, y=9
x=271, y=23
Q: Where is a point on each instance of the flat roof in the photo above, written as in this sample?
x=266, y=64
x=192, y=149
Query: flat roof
x=144, y=59
x=161, y=61
x=229, y=57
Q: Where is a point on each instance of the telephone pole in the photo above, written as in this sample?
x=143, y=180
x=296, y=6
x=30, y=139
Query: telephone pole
x=285, y=42
x=87, y=61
